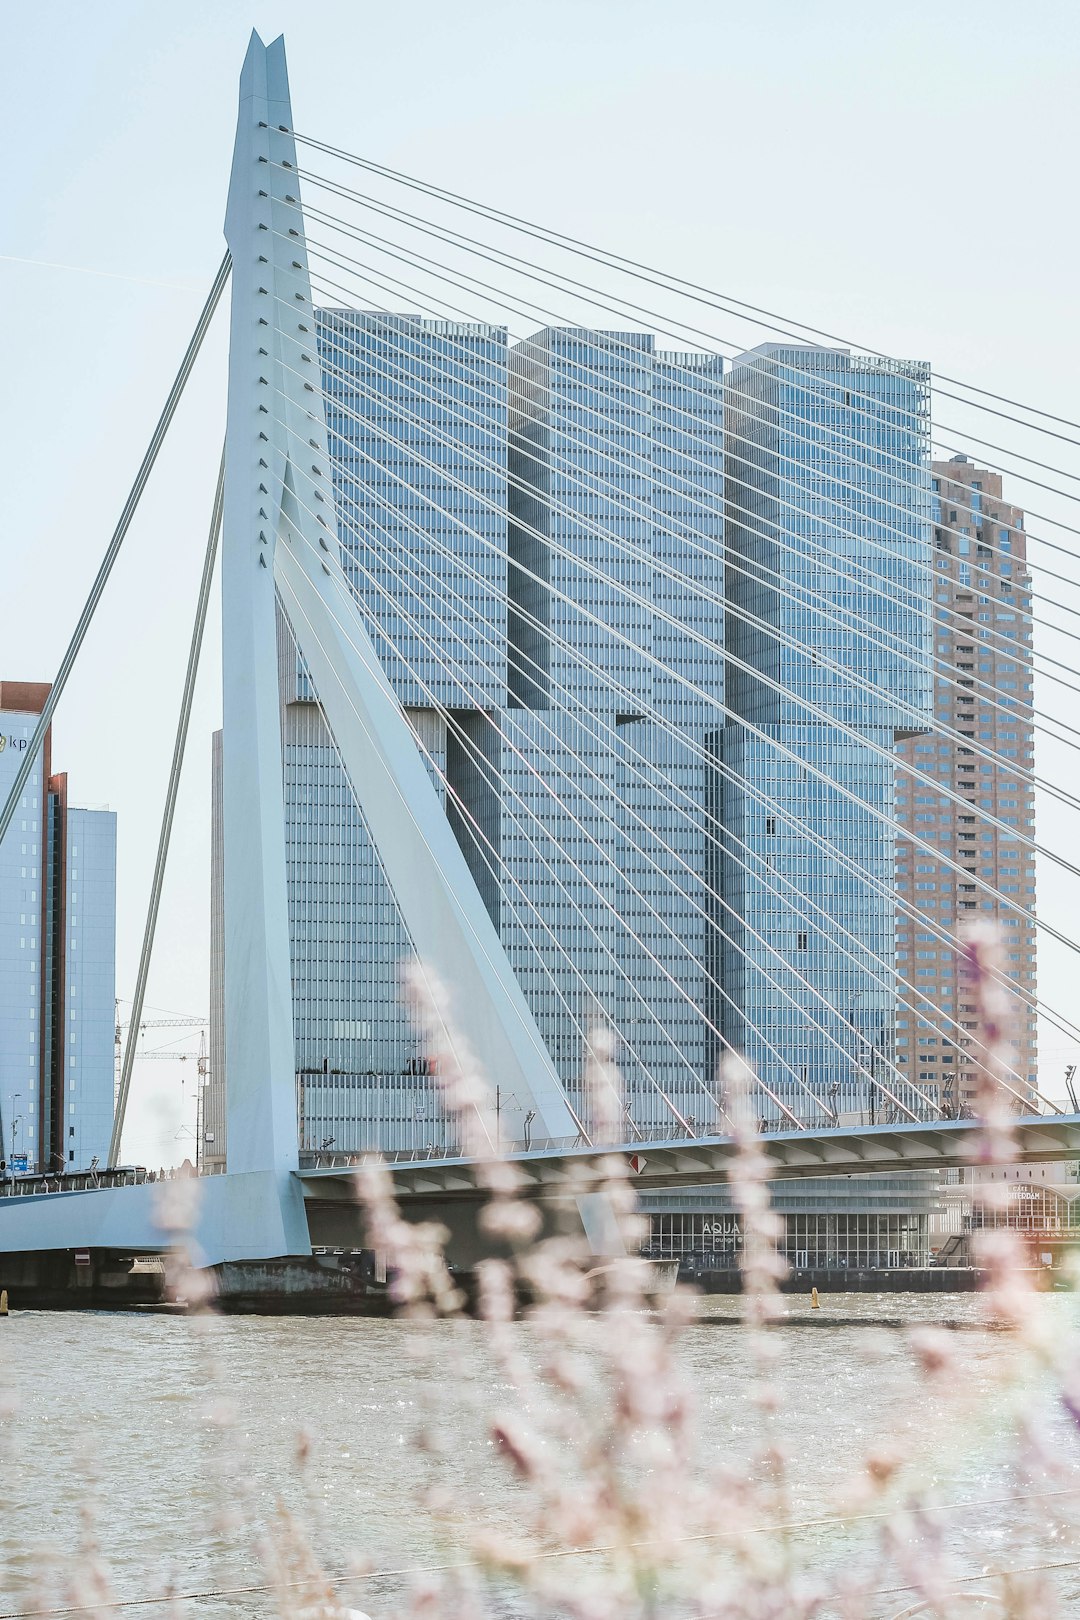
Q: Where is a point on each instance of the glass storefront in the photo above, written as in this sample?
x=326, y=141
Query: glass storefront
x=856, y=1241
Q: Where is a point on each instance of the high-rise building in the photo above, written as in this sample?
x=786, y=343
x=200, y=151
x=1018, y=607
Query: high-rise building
x=982, y=750
x=536, y=537
x=827, y=494
x=827, y=507
x=416, y=418
x=616, y=691
x=524, y=532
x=57, y=959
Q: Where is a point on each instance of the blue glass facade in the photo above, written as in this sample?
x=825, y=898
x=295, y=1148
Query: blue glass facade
x=828, y=545
x=90, y=982
x=616, y=522
x=657, y=631
x=527, y=532
x=416, y=413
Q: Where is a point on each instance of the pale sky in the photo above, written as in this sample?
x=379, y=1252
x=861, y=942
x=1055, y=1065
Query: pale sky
x=902, y=174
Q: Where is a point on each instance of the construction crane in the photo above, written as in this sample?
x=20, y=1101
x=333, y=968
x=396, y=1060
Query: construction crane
x=162, y=1053
x=122, y=1024
x=200, y=1058
x=175, y=1021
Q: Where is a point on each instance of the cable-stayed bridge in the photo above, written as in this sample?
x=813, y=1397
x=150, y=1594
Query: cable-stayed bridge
x=668, y=693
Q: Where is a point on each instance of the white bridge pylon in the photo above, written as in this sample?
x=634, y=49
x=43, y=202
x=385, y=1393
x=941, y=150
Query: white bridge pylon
x=278, y=526
x=280, y=537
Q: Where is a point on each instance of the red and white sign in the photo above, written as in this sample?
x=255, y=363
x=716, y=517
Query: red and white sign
x=636, y=1163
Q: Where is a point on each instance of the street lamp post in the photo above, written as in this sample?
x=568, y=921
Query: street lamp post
x=12, y=1100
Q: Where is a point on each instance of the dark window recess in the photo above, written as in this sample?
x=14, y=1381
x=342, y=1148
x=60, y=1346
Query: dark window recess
x=802, y=939
x=770, y=826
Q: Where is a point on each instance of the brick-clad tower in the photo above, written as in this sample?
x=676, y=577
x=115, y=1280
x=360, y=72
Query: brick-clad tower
x=982, y=745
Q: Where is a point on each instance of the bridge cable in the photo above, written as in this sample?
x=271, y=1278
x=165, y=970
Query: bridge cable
x=112, y=550
x=693, y=810
x=752, y=360
x=850, y=676
x=418, y=629
x=611, y=340
x=812, y=378
x=939, y=787
x=638, y=270
x=1011, y=835
x=844, y=617
x=936, y=784
x=867, y=540
x=582, y=1032
x=637, y=311
x=696, y=1075
x=998, y=635
x=448, y=717
x=175, y=769
x=1019, y=649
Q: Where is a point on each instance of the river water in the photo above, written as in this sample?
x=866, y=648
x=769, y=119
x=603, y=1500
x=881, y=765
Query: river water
x=136, y=1428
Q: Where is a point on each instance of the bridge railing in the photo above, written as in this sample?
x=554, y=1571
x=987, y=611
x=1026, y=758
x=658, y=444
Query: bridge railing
x=32, y=1186
x=334, y=1158
x=131, y=1175
x=338, y=1159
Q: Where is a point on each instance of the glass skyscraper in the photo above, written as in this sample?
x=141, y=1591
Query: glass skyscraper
x=526, y=532
x=416, y=413
x=616, y=690
x=828, y=548
x=555, y=546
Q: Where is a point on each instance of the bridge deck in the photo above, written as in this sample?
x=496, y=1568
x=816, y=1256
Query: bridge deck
x=258, y=1214
x=856, y=1150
